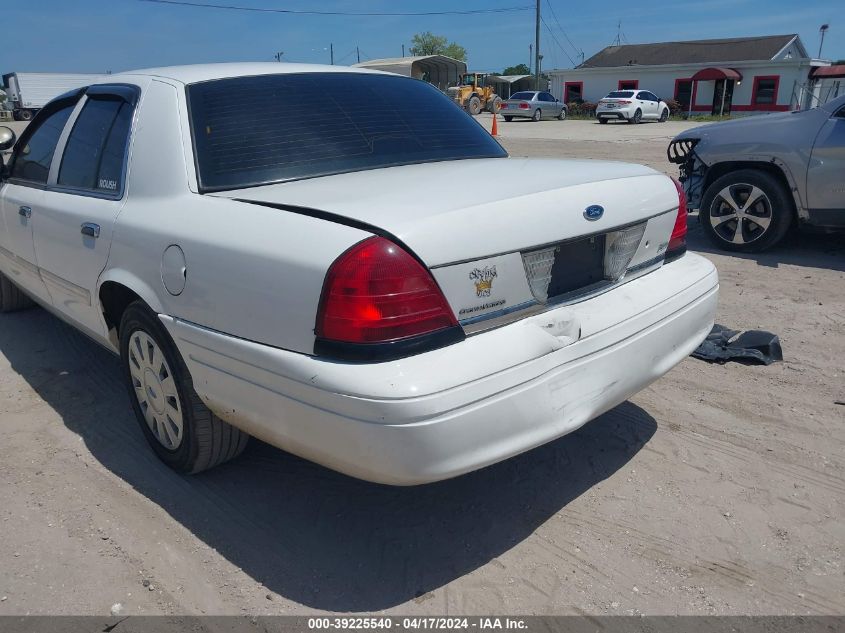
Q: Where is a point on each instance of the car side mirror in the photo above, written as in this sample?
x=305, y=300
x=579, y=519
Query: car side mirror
x=7, y=138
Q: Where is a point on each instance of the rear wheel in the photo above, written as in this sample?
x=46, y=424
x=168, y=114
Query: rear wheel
x=508, y=119
x=495, y=105
x=12, y=298
x=538, y=114
x=474, y=105
x=178, y=426
x=638, y=116
x=747, y=210
x=25, y=115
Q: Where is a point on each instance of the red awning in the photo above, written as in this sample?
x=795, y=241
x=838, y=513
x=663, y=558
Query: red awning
x=710, y=74
x=828, y=71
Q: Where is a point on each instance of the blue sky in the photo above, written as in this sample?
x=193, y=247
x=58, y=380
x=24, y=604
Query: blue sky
x=100, y=35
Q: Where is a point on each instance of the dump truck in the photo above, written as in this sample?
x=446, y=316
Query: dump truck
x=27, y=93
x=474, y=95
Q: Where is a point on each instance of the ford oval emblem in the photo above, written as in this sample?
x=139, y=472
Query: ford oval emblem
x=594, y=212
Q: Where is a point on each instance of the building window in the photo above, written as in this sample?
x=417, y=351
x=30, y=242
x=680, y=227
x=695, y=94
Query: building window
x=629, y=84
x=765, y=90
x=573, y=91
x=683, y=92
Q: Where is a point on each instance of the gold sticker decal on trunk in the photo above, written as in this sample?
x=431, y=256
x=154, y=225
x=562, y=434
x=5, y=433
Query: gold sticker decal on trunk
x=483, y=279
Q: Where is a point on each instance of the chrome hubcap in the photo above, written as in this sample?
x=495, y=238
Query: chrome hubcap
x=155, y=390
x=741, y=213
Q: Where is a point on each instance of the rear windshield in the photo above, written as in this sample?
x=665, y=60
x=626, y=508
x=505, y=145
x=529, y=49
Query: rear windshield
x=525, y=96
x=256, y=130
x=620, y=94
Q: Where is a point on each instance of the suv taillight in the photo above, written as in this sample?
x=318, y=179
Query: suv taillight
x=678, y=240
x=379, y=302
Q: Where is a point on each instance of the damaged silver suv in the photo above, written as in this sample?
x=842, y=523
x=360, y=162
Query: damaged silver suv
x=751, y=179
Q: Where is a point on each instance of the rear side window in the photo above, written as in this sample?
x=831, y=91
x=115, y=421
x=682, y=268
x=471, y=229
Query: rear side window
x=620, y=94
x=525, y=96
x=93, y=158
x=250, y=131
x=32, y=161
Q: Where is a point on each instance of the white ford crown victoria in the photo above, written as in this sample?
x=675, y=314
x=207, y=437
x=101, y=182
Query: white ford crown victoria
x=343, y=264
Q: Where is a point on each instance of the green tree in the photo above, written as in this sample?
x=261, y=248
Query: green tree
x=519, y=69
x=430, y=44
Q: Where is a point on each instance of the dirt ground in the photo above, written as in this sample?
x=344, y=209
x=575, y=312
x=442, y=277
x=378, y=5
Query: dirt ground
x=718, y=490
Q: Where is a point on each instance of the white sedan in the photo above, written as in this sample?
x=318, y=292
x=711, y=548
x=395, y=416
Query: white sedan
x=328, y=271
x=633, y=106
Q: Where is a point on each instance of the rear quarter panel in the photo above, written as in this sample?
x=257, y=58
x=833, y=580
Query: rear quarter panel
x=251, y=272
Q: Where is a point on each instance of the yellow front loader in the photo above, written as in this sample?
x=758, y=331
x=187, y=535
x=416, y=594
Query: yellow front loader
x=473, y=95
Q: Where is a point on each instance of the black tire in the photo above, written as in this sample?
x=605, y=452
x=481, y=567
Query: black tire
x=638, y=116
x=206, y=441
x=495, y=104
x=562, y=115
x=664, y=116
x=538, y=114
x=603, y=120
x=474, y=105
x=508, y=119
x=25, y=115
x=775, y=205
x=12, y=298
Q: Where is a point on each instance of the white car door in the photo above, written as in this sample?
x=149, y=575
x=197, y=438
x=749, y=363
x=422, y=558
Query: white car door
x=22, y=196
x=650, y=107
x=79, y=208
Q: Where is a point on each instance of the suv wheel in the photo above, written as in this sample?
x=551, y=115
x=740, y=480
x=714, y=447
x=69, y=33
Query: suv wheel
x=748, y=210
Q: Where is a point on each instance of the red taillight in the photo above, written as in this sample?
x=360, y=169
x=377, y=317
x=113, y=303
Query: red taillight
x=678, y=240
x=524, y=106
x=378, y=293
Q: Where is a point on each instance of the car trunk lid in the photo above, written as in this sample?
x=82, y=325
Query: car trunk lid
x=450, y=212
x=507, y=236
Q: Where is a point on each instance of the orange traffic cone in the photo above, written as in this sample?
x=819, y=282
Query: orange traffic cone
x=495, y=130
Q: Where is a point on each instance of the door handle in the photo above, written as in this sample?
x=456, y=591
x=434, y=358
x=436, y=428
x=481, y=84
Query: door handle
x=91, y=230
x=25, y=212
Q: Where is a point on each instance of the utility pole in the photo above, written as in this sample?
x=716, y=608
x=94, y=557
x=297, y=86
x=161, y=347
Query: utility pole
x=403, y=50
x=331, y=53
x=530, y=57
x=358, y=52
x=822, y=31
x=537, y=48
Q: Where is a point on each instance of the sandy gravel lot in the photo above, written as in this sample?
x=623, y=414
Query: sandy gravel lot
x=718, y=490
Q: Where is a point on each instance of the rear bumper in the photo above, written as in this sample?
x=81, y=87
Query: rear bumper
x=613, y=114
x=459, y=408
x=517, y=113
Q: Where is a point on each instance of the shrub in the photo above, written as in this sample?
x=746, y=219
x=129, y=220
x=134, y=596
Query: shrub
x=581, y=108
x=676, y=108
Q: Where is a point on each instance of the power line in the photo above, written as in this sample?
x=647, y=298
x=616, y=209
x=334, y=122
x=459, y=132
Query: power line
x=205, y=5
x=557, y=41
x=578, y=51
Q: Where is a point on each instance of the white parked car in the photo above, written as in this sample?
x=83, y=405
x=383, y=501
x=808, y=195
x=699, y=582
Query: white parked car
x=317, y=272
x=633, y=106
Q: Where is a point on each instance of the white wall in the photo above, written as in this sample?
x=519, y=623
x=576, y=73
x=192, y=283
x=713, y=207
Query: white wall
x=661, y=80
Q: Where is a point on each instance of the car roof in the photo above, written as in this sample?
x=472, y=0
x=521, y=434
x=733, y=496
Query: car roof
x=207, y=72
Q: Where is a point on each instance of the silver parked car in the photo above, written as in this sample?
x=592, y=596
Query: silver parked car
x=533, y=105
x=753, y=178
